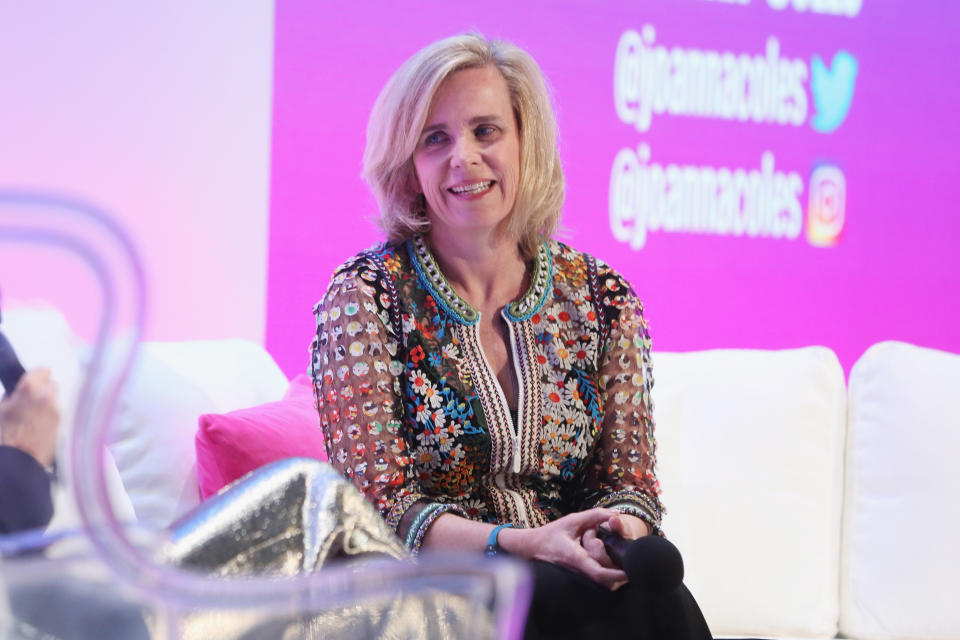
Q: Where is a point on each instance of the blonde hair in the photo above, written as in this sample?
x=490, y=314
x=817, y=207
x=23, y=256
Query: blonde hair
x=399, y=115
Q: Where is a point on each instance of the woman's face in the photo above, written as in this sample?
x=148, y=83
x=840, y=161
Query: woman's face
x=468, y=156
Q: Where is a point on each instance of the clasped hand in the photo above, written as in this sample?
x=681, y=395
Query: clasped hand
x=29, y=416
x=571, y=542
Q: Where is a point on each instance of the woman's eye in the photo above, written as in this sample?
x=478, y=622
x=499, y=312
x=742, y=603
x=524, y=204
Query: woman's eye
x=484, y=130
x=434, y=138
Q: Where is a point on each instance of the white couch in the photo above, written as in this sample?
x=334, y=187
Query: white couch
x=806, y=507
x=803, y=506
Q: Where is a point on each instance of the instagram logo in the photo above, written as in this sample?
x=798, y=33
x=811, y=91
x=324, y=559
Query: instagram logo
x=827, y=207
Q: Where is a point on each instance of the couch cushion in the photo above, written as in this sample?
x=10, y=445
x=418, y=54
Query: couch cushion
x=750, y=460
x=230, y=445
x=901, y=520
x=170, y=386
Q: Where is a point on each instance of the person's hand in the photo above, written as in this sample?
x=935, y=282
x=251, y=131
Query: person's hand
x=625, y=525
x=559, y=543
x=29, y=416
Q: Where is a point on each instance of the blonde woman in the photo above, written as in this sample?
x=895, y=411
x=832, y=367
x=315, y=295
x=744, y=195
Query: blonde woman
x=485, y=386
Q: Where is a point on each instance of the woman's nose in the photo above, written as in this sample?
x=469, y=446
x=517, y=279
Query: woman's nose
x=464, y=152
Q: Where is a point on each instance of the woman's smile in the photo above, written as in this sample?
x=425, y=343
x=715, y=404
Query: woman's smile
x=472, y=190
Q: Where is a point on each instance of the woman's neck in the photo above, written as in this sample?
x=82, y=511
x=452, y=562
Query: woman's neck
x=487, y=271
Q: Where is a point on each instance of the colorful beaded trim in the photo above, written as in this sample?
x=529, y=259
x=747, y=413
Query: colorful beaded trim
x=424, y=519
x=399, y=508
x=541, y=281
x=635, y=503
x=432, y=279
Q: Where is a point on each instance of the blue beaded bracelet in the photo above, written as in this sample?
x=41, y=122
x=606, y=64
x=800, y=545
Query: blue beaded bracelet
x=493, y=546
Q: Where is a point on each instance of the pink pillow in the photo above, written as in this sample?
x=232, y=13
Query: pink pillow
x=230, y=445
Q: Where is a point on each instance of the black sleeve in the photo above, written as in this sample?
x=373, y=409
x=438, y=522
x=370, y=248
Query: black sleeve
x=25, y=501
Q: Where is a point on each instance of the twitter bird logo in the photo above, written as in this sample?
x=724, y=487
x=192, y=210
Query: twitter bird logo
x=832, y=90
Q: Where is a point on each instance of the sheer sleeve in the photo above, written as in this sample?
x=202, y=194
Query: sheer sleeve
x=622, y=476
x=356, y=366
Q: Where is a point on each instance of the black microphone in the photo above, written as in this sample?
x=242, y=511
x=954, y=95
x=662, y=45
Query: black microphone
x=652, y=563
x=10, y=368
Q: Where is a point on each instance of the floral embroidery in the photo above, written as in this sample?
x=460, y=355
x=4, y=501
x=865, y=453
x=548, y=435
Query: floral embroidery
x=414, y=417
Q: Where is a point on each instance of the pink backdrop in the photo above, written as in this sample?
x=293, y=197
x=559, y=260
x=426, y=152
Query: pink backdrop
x=158, y=114
x=724, y=273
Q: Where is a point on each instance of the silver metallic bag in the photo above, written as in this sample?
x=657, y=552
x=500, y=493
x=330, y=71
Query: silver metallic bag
x=300, y=516
x=289, y=517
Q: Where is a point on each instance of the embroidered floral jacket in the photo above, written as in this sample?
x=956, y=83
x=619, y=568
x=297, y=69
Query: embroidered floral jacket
x=414, y=415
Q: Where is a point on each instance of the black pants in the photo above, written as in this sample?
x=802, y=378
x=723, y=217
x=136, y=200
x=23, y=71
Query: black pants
x=566, y=604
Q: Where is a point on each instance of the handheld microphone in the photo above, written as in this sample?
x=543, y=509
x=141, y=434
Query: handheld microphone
x=652, y=563
x=10, y=368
